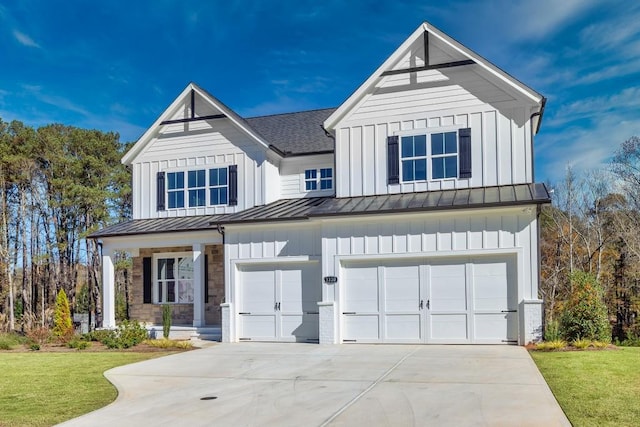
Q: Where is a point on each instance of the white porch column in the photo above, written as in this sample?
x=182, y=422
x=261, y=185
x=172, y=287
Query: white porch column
x=108, y=289
x=198, y=284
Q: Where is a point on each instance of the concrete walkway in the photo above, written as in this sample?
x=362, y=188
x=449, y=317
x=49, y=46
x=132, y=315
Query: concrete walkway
x=269, y=384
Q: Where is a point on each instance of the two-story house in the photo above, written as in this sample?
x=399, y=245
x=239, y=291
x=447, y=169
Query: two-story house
x=409, y=214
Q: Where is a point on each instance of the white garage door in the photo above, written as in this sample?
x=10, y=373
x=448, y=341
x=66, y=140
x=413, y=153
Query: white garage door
x=451, y=301
x=279, y=302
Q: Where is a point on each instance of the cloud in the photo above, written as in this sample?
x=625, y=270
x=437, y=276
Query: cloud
x=57, y=101
x=24, y=39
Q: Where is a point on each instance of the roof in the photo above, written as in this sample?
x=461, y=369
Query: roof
x=295, y=133
x=158, y=225
x=468, y=198
x=455, y=46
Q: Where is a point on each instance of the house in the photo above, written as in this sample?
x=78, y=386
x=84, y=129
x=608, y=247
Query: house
x=409, y=214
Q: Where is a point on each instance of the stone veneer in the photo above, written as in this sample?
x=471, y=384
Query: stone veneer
x=182, y=314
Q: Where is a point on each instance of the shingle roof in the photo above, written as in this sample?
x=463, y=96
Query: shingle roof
x=305, y=208
x=158, y=225
x=295, y=133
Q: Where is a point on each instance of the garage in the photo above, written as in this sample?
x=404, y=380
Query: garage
x=465, y=300
x=279, y=302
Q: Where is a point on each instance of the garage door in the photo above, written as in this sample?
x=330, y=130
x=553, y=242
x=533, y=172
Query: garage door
x=460, y=300
x=279, y=302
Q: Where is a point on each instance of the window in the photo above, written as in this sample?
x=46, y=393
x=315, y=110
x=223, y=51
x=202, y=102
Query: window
x=318, y=179
x=175, y=189
x=441, y=154
x=196, y=189
x=218, y=190
x=414, y=158
x=174, y=279
x=444, y=155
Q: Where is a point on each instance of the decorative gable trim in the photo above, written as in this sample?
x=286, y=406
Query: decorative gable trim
x=425, y=30
x=165, y=118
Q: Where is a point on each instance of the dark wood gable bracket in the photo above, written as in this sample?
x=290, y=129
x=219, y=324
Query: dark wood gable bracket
x=428, y=65
x=193, y=117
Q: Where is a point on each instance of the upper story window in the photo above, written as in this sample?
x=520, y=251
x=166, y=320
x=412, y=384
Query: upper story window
x=175, y=189
x=198, y=189
x=441, y=155
x=318, y=179
x=218, y=191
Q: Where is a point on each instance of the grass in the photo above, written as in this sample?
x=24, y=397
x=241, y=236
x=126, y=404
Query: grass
x=42, y=389
x=594, y=388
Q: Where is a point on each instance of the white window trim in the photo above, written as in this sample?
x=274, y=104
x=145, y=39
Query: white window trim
x=303, y=181
x=154, y=271
x=428, y=131
x=186, y=170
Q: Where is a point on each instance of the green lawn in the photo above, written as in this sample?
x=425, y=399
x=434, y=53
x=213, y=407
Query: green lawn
x=595, y=388
x=42, y=389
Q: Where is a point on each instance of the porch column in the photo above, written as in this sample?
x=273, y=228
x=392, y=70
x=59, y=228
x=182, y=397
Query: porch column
x=198, y=284
x=108, y=289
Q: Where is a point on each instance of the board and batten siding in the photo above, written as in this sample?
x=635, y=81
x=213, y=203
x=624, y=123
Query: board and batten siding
x=292, y=175
x=436, y=235
x=201, y=144
x=500, y=132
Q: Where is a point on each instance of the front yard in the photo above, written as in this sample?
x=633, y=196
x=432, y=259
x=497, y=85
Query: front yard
x=595, y=388
x=42, y=389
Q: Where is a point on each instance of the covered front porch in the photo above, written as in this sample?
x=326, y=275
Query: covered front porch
x=172, y=265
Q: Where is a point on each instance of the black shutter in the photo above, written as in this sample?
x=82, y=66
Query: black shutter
x=146, y=280
x=233, y=185
x=160, y=191
x=393, y=161
x=206, y=279
x=464, y=157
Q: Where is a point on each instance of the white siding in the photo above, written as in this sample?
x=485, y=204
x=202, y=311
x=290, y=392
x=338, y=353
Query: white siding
x=512, y=230
x=292, y=175
x=211, y=143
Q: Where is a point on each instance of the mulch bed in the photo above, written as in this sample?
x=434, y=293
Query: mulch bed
x=96, y=347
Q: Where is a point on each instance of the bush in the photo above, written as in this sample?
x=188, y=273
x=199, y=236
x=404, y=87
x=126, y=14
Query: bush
x=128, y=334
x=34, y=346
x=632, y=340
x=166, y=320
x=62, y=326
x=166, y=343
x=552, y=331
x=551, y=345
x=40, y=335
x=9, y=340
x=78, y=343
x=584, y=315
x=581, y=344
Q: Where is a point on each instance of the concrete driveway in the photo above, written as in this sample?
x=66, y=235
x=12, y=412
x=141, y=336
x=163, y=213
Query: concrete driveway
x=269, y=384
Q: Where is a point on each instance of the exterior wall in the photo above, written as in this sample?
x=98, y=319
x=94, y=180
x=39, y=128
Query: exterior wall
x=292, y=175
x=512, y=230
x=435, y=101
x=196, y=145
x=182, y=314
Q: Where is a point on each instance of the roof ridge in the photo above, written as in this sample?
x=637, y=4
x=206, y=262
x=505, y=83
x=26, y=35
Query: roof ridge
x=291, y=112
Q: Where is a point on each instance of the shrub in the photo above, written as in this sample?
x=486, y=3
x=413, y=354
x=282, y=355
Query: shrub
x=552, y=331
x=632, y=340
x=551, y=345
x=584, y=315
x=166, y=343
x=166, y=320
x=128, y=334
x=62, y=326
x=581, y=344
x=599, y=344
x=78, y=343
x=9, y=340
x=34, y=346
x=40, y=335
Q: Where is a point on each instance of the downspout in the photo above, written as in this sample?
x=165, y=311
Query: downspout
x=335, y=164
x=101, y=281
x=220, y=229
x=538, y=114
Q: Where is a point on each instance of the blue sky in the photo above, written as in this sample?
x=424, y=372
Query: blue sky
x=115, y=65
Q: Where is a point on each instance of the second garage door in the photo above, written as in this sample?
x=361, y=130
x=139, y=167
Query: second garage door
x=462, y=300
x=279, y=302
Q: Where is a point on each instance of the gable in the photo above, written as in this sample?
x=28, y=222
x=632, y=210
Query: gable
x=193, y=112
x=422, y=66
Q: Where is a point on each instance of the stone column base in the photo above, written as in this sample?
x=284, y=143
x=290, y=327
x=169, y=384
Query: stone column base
x=327, y=333
x=227, y=336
